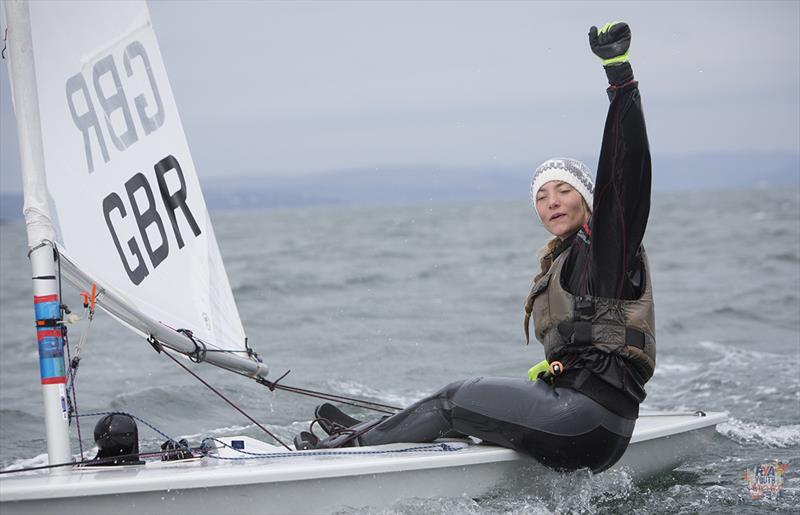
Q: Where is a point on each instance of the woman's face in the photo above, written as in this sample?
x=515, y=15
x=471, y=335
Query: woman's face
x=561, y=208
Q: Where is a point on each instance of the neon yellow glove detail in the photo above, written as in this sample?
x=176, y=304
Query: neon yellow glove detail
x=611, y=42
x=538, y=369
x=604, y=28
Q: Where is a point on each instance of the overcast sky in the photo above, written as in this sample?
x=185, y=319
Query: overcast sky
x=289, y=88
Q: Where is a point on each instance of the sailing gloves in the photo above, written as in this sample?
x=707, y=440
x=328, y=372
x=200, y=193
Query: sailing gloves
x=538, y=369
x=611, y=43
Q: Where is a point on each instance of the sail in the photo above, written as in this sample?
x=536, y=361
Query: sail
x=121, y=188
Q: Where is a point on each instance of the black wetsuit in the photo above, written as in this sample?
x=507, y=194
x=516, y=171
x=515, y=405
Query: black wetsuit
x=565, y=426
x=608, y=261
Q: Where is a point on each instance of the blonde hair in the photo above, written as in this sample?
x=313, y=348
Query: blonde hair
x=545, y=256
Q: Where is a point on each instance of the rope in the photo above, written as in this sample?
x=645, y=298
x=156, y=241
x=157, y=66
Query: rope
x=237, y=408
x=352, y=434
x=73, y=404
x=90, y=462
x=434, y=447
x=360, y=403
x=89, y=300
x=201, y=347
x=199, y=354
x=143, y=421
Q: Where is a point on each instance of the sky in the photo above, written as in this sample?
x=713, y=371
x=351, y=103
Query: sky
x=285, y=88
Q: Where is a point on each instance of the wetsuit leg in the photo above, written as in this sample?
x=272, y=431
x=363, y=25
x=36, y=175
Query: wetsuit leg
x=424, y=421
x=560, y=427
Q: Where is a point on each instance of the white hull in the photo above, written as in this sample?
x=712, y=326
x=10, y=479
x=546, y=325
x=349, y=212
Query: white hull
x=321, y=484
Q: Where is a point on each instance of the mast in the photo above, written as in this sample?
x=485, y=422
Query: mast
x=47, y=304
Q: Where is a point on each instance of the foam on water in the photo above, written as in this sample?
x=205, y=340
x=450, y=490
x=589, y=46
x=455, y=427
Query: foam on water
x=220, y=431
x=752, y=433
x=22, y=463
x=362, y=391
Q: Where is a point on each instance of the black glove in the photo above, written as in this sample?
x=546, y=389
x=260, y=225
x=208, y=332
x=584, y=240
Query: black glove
x=611, y=42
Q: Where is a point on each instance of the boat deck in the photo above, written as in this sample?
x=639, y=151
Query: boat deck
x=261, y=474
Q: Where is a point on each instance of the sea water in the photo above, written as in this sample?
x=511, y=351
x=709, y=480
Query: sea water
x=390, y=303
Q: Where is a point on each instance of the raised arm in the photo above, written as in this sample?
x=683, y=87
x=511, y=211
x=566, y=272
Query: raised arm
x=622, y=185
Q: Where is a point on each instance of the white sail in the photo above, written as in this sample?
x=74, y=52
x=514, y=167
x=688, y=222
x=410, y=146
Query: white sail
x=121, y=187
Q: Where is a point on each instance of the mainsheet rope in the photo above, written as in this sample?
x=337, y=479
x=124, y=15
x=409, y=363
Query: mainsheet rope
x=360, y=403
x=201, y=348
x=272, y=386
x=237, y=408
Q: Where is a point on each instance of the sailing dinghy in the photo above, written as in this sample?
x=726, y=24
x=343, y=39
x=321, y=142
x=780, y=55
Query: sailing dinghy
x=113, y=203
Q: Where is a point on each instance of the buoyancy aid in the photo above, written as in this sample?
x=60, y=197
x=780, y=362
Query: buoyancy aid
x=568, y=324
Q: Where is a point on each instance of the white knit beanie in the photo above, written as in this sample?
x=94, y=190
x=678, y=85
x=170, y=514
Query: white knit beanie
x=571, y=171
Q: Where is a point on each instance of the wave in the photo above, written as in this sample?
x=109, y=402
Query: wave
x=150, y=396
x=220, y=431
x=672, y=326
x=724, y=381
x=732, y=352
x=366, y=280
x=752, y=433
x=19, y=416
x=737, y=313
x=22, y=463
x=534, y=490
x=789, y=257
x=360, y=390
x=681, y=368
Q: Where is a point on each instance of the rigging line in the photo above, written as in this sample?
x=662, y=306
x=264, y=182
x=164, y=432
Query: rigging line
x=197, y=357
x=57, y=257
x=71, y=389
x=228, y=351
x=84, y=338
x=188, y=333
x=272, y=385
x=237, y=408
x=375, y=406
x=334, y=396
x=73, y=402
x=349, y=451
x=359, y=403
x=95, y=461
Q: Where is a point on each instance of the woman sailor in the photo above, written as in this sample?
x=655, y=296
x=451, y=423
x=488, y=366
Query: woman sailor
x=591, y=303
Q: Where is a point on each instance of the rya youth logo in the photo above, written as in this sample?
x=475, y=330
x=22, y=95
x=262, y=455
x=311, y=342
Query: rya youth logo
x=765, y=479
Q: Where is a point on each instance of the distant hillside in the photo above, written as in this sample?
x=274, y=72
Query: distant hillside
x=440, y=184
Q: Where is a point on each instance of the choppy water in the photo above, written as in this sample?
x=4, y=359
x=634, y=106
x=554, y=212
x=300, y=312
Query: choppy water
x=391, y=303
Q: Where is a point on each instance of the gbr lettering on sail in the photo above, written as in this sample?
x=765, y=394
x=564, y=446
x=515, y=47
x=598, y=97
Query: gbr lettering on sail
x=116, y=105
